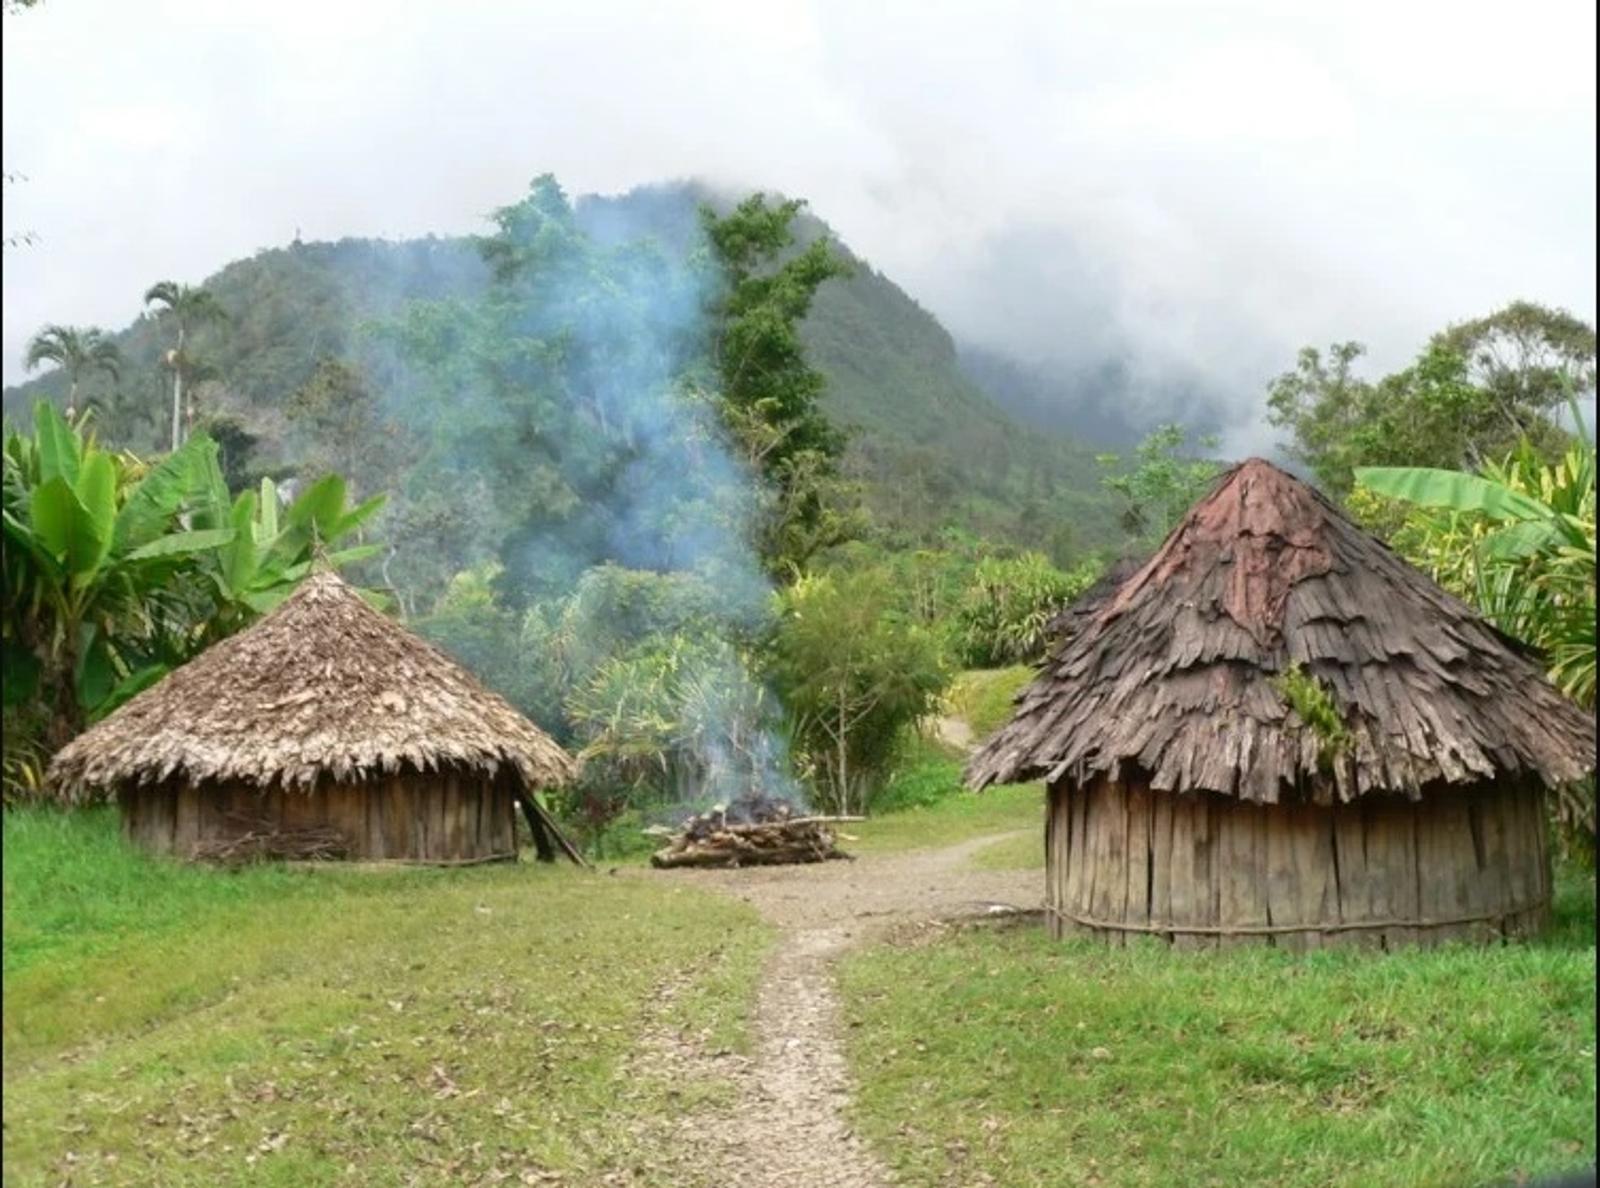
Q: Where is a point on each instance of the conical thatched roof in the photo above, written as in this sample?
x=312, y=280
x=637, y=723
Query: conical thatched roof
x=1176, y=676
x=323, y=685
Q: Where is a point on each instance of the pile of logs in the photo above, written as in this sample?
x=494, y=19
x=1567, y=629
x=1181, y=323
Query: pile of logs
x=743, y=834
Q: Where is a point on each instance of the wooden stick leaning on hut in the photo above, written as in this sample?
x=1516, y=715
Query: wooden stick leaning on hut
x=543, y=827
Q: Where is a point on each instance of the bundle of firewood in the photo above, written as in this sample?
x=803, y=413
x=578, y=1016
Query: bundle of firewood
x=310, y=844
x=757, y=843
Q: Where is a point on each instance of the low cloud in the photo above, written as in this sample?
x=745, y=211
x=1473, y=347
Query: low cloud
x=1196, y=192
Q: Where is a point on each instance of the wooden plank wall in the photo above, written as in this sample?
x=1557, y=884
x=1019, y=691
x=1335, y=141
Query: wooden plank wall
x=410, y=817
x=1209, y=872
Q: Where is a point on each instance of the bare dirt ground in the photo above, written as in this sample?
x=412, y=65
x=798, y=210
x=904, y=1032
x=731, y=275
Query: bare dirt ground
x=954, y=732
x=788, y=1122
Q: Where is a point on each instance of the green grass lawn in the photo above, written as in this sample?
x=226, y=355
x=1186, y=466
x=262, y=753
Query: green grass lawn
x=172, y=1024
x=1004, y=1054
x=960, y=816
x=178, y=1025
x=924, y=804
x=983, y=696
x=1025, y=852
x=955, y=818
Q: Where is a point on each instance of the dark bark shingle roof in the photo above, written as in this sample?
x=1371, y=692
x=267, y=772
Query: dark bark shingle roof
x=1174, y=675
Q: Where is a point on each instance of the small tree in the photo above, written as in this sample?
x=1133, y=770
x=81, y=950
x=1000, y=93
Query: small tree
x=854, y=674
x=1164, y=481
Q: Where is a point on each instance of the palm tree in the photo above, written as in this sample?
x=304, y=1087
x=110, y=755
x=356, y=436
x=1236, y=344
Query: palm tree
x=186, y=307
x=75, y=350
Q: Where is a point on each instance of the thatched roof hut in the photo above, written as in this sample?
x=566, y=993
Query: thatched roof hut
x=324, y=716
x=1277, y=729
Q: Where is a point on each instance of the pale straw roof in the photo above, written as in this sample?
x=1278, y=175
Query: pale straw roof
x=323, y=686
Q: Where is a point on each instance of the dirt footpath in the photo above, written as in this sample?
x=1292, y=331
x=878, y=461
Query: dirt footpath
x=788, y=1125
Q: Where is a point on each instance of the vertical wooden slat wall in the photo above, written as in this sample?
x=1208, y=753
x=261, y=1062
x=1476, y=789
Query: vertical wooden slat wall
x=420, y=817
x=1203, y=871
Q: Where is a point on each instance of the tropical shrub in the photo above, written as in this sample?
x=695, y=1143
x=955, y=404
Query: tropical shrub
x=94, y=555
x=1518, y=542
x=676, y=721
x=1005, y=612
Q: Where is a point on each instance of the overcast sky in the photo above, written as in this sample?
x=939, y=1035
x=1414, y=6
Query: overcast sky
x=1203, y=186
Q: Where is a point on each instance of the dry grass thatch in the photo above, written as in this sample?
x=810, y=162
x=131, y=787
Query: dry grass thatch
x=324, y=686
x=1175, y=676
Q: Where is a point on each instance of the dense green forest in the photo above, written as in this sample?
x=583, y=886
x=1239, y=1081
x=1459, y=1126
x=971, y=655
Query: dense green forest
x=929, y=449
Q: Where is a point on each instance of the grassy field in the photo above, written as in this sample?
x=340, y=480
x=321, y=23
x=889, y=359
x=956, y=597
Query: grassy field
x=1004, y=1057
x=983, y=696
x=925, y=805
x=954, y=818
x=960, y=816
x=1025, y=852
x=174, y=1025
x=170, y=1024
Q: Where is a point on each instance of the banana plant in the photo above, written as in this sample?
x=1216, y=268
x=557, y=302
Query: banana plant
x=90, y=549
x=1518, y=540
x=270, y=548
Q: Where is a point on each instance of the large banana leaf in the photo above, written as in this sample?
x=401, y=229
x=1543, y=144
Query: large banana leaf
x=162, y=493
x=267, y=522
x=95, y=674
x=351, y=555
x=213, y=506
x=66, y=527
x=97, y=492
x=183, y=544
x=59, y=451
x=1452, y=490
x=321, y=504
x=357, y=516
x=1523, y=538
x=238, y=557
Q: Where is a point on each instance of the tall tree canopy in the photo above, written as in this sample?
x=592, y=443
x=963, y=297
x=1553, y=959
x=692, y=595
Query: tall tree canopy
x=768, y=391
x=77, y=351
x=186, y=307
x=1474, y=392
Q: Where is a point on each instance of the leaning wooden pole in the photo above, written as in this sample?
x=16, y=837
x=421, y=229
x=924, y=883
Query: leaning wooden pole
x=545, y=831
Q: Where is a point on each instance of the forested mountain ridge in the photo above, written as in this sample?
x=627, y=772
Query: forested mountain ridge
x=930, y=449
